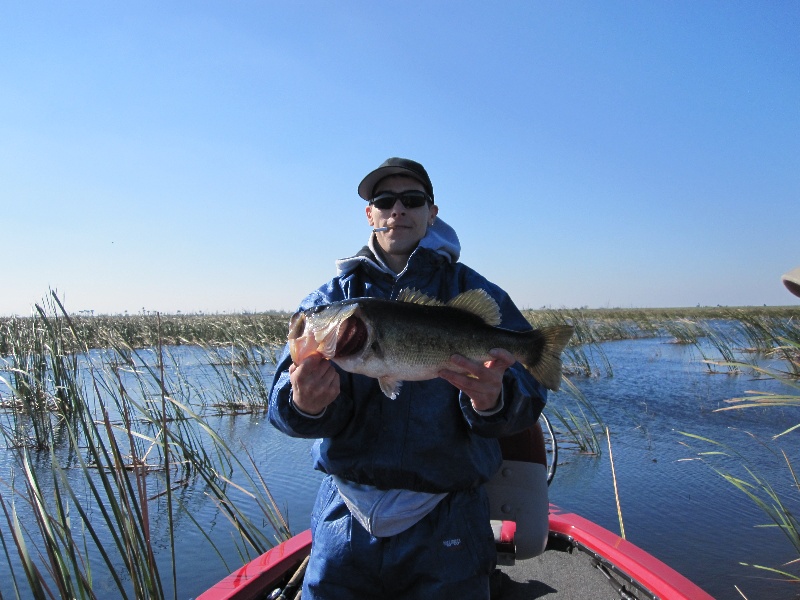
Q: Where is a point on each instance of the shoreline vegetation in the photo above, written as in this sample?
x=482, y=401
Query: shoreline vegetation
x=104, y=411
x=149, y=328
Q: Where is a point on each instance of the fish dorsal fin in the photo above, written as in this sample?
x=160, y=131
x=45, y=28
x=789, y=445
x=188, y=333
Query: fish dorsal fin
x=416, y=297
x=480, y=303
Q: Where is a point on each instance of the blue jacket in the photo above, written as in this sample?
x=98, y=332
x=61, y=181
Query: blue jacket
x=429, y=439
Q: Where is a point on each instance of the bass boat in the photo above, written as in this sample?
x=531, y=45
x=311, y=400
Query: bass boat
x=581, y=559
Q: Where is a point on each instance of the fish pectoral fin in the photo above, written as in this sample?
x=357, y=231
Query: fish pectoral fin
x=390, y=387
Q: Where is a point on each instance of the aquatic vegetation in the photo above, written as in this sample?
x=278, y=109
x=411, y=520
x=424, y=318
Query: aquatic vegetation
x=106, y=418
x=116, y=418
x=579, y=419
x=146, y=329
x=779, y=506
x=722, y=337
x=775, y=504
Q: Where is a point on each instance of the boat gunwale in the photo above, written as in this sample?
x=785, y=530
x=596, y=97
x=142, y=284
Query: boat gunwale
x=640, y=568
x=256, y=577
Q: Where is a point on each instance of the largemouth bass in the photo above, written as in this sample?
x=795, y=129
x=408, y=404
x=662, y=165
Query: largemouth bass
x=412, y=338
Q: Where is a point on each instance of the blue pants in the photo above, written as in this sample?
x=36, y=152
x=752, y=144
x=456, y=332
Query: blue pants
x=449, y=553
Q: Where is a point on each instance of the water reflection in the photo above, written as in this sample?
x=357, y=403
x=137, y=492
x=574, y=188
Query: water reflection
x=677, y=509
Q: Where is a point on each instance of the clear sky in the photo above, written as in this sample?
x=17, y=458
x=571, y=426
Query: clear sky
x=204, y=156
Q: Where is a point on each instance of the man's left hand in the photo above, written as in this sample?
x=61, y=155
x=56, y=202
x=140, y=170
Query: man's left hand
x=481, y=381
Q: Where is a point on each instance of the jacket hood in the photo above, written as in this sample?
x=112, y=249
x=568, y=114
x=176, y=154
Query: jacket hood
x=440, y=238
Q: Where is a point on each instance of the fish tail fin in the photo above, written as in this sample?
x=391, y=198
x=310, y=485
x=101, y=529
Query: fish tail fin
x=544, y=358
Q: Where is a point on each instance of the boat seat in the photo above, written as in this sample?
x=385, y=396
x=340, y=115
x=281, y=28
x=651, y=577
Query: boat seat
x=518, y=499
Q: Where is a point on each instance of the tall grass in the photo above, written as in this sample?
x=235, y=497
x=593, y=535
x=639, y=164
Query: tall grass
x=780, y=340
x=721, y=336
x=110, y=399
x=119, y=422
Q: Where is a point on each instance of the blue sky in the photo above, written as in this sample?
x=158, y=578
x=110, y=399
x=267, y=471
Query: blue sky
x=199, y=156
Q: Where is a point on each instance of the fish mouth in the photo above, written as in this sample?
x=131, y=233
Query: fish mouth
x=297, y=325
x=301, y=346
x=351, y=336
x=326, y=330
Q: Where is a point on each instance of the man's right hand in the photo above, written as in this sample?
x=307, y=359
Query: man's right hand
x=315, y=384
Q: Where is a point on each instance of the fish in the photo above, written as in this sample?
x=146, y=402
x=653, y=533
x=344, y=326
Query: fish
x=413, y=337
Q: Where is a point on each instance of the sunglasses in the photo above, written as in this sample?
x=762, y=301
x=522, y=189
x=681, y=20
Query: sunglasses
x=410, y=199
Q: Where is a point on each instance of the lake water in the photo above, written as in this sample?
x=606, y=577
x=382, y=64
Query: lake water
x=674, y=507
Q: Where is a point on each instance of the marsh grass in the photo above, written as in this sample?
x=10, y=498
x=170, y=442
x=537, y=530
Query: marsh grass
x=780, y=507
x=580, y=421
x=115, y=417
x=777, y=506
x=106, y=423
x=721, y=336
x=145, y=330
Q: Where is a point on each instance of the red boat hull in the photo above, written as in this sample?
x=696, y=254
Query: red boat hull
x=262, y=574
x=650, y=574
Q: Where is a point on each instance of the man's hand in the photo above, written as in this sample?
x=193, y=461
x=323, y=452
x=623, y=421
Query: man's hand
x=482, y=382
x=315, y=384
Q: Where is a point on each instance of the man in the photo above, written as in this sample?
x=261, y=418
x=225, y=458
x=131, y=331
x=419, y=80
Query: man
x=402, y=512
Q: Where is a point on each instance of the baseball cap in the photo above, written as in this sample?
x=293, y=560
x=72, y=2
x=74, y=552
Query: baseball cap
x=395, y=166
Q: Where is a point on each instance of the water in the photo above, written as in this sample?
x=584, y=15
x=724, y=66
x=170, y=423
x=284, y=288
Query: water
x=677, y=509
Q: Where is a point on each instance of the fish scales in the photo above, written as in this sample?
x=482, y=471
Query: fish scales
x=413, y=338
x=425, y=337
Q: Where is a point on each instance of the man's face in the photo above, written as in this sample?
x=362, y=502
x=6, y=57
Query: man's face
x=407, y=226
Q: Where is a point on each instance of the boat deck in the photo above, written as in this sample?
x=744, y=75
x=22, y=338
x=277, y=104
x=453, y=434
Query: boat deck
x=583, y=561
x=555, y=574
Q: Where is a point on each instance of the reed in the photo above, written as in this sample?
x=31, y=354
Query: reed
x=109, y=398
x=616, y=490
x=778, y=507
x=578, y=417
x=144, y=330
x=758, y=489
x=134, y=444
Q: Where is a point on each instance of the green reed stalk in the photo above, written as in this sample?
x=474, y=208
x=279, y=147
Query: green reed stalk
x=217, y=483
x=616, y=491
x=757, y=488
x=144, y=384
x=117, y=484
x=167, y=469
x=580, y=428
x=6, y=549
x=36, y=581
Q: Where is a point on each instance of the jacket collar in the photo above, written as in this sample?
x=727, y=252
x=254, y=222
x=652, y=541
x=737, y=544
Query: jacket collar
x=441, y=239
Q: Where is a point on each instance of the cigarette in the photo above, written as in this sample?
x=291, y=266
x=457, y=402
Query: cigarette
x=379, y=229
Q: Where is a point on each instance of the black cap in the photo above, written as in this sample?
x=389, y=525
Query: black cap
x=395, y=166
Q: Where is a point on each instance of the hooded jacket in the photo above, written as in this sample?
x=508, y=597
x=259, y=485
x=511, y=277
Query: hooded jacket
x=429, y=439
